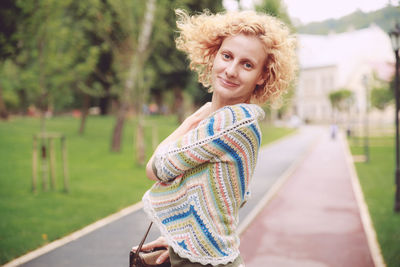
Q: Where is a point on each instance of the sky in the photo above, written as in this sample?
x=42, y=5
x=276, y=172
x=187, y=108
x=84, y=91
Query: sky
x=317, y=10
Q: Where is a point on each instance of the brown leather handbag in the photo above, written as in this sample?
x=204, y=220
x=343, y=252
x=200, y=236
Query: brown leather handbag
x=146, y=258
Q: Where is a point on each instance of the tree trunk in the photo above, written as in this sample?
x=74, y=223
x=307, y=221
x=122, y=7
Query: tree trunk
x=178, y=104
x=105, y=100
x=43, y=105
x=119, y=125
x=103, y=105
x=140, y=145
x=3, y=109
x=84, y=112
x=23, y=101
x=135, y=67
x=159, y=99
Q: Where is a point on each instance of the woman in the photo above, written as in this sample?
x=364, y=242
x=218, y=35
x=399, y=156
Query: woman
x=204, y=168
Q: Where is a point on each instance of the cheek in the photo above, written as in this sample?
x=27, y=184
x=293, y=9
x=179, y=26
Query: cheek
x=218, y=66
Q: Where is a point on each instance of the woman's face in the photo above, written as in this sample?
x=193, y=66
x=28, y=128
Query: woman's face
x=237, y=68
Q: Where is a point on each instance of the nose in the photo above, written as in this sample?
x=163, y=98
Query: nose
x=230, y=70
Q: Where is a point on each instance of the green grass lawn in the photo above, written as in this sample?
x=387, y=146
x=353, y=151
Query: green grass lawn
x=101, y=182
x=377, y=182
x=271, y=133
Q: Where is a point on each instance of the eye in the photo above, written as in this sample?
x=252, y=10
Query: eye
x=248, y=65
x=226, y=56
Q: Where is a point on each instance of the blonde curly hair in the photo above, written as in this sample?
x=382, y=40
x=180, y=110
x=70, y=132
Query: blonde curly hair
x=201, y=35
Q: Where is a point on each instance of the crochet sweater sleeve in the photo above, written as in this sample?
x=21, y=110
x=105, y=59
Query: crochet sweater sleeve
x=199, y=145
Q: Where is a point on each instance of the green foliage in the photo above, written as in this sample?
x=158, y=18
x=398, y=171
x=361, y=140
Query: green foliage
x=381, y=97
x=274, y=8
x=377, y=182
x=341, y=99
x=9, y=16
x=384, y=18
x=277, y=9
x=53, y=56
x=43, y=38
x=381, y=93
x=60, y=50
x=9, y=80
x=169, y=64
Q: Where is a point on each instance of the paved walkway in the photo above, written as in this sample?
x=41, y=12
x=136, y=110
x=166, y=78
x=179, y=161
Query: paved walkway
x=314, y=219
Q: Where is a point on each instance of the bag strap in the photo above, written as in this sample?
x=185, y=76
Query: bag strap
x=143, y=240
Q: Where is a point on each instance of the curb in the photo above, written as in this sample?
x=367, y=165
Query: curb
x=73, y=236
x=363, y=208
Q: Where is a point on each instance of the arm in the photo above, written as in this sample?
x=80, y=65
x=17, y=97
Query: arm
x=190, y=123
x=207, y=142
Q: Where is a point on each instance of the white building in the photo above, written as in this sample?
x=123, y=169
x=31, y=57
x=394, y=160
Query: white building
x=346, y=60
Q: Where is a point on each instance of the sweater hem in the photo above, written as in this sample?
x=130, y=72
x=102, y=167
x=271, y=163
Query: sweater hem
x=179, y=250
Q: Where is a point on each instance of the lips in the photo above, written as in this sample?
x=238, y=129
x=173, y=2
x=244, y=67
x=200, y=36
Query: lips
x=227, y=83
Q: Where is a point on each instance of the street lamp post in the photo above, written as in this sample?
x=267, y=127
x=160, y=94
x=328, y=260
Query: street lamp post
x=395, y=39
x=366, y=119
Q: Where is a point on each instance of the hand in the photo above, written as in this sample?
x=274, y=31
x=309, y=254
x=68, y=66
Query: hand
x=190, y=123
x=159, y=242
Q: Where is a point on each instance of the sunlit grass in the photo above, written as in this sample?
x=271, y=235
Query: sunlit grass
x=377, y=182
x=101, y=182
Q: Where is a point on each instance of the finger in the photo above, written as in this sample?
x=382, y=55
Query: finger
x=159, y=242
x=153, y=244
x=149, y=246
x=163, y=257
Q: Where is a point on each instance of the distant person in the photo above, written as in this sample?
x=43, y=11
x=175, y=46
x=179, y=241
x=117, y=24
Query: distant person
x=334, y=130
x=204, y=168
x=348, y=131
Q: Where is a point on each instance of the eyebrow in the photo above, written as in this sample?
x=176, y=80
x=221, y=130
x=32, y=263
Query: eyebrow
x=253, y=61
x=250, y=60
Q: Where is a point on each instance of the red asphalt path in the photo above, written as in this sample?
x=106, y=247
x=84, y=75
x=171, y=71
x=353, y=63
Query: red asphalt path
x=313, y=220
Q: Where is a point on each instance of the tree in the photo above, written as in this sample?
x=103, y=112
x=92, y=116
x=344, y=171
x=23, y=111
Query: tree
x=51, y=59
x=130, y=59
x=9, y=15
x=341, y=100
x=87, y=21
x=40, y=60
x=169, y=64
x=275, y=8
x=382, y=94
x=55, y=52
x=381, y=97
x=165, y=68
x=384, y=18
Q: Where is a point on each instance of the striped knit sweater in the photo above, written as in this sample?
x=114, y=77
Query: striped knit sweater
x=204, y=180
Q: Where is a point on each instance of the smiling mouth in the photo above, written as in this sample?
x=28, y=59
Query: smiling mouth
x=227, y=83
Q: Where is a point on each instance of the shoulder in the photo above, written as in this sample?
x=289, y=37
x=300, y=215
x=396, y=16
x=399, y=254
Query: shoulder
x=231, y=116
x=239, y=112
